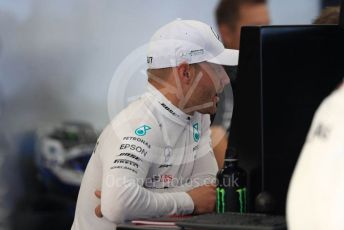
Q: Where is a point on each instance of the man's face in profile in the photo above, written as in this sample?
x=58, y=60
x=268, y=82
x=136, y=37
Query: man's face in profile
x=212, y=80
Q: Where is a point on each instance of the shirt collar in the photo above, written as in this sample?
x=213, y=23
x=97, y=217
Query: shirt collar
x=167, y=106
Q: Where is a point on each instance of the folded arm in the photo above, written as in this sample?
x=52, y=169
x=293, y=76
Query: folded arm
x=126, y=162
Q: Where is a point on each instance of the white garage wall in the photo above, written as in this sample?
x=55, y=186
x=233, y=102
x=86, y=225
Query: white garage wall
x=294, y=11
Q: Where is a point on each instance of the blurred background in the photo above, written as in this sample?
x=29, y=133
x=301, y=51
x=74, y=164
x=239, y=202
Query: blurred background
x=66, y=68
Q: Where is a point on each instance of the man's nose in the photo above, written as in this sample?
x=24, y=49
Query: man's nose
x=223, y=83
x=225, y=80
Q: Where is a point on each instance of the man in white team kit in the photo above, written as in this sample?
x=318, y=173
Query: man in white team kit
x=155, y=158
x=316, y=192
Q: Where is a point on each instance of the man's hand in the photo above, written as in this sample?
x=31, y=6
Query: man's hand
x=204, y=198
x=97, y=210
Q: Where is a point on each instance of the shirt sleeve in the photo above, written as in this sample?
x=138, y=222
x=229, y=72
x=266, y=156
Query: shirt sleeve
x=315, y=196
x=126, y=157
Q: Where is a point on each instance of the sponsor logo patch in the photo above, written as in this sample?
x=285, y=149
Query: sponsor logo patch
x=195, y=132
x=138, y=139
x=132, y=147
x=168, y=109
x=142, y=130
x=165, y=166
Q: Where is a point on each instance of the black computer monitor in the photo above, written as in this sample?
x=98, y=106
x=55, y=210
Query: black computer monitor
x=284, y=74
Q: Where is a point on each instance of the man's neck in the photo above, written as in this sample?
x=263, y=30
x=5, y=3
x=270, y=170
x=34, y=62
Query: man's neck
x=171, y=95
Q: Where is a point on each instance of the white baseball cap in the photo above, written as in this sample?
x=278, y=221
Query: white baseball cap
x=187, y=41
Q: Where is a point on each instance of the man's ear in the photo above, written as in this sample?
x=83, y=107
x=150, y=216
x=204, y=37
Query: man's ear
x=185, y=73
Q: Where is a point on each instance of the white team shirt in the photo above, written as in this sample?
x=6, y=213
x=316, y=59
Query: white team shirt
x=316, y=193
x=144, y=162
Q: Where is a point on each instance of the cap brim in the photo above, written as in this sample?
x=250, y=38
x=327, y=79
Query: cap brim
x=227, y=57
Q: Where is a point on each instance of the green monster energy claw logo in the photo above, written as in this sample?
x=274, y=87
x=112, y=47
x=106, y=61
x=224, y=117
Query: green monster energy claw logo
x=220, y=205
x=195, y=132
x=142, y=130
x=242, y=199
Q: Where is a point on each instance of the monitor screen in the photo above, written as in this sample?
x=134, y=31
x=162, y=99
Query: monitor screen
x=284, y=73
